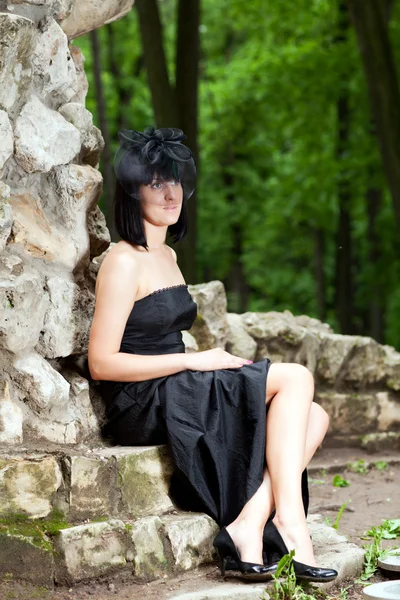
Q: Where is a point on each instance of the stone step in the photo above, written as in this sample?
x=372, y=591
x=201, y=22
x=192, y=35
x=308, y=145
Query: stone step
x=124, y=482
x=110, y=482
x=150, y=548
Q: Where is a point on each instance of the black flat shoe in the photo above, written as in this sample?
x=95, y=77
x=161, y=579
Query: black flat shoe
x=302, y=571
x=270, y=555
x=227, y=550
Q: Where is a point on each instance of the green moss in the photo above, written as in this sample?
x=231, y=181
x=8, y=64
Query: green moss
x=128, y=527
x=38, y=530
x=99, y=519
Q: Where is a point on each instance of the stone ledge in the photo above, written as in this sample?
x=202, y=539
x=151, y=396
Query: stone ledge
x=126, y=482
x=151, y=548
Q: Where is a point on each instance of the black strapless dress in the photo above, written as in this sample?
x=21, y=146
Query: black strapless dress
x=214, y=422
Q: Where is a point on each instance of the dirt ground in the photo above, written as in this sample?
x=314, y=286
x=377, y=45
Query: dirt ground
x=373, y=496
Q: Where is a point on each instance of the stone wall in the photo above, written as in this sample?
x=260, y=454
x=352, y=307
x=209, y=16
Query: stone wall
x=53, y=238
x=50, y=225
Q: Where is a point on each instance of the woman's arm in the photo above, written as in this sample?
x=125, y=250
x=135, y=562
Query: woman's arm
x=123, y=366
x=117, y=286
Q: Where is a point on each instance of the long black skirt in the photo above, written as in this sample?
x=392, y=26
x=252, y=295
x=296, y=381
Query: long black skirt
x=214, y=423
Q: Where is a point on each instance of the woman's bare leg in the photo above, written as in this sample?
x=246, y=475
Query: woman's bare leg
x=287, y=423
x=247, y=529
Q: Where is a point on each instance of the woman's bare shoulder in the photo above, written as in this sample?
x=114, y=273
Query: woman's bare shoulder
x=121, y=258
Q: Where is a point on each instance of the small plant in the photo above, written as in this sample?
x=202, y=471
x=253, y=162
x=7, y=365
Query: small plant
x=381, y=465
x=359, y=466
x=335, y=525
x=389, y=530
x=316, y=481
x=285, y=586
x=339, y=516
x=338, y=481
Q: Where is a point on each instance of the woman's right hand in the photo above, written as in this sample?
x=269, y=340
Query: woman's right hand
x=216, y=358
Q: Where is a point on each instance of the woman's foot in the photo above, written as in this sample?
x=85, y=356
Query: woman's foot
x=248, y=539
x=297, y=537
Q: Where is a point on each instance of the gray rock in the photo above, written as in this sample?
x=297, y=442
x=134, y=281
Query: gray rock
x=91, y=482
x=6, y=138
x=239, y=342
x=88, y=551
x=211, y=326
x=45, y=390
x=11, y=417
x=18, y=36
x=5, y=214
x=27, y=485
x=143, y=478
x=149, y=556
x=227, y=592
x=190, y=536
x=92, y=139
x=43, y=138
x=54, y=75
x=27, y=558
x=333, y=550
x=88, y=16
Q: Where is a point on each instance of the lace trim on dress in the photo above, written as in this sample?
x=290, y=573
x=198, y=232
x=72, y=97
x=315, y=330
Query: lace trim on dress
x=163, y=290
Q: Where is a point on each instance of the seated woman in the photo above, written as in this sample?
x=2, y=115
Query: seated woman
x=241, y=433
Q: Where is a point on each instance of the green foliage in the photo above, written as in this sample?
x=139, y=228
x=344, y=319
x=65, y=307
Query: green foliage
x=285, y=586
x=358, y=466
x=338, y=481
x=381, y=465
x=388, y=530
x=270, y=167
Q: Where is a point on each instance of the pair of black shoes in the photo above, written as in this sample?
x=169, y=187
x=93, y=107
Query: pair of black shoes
x=275, y=547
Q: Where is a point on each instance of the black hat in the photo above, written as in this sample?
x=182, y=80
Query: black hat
x=155, y=151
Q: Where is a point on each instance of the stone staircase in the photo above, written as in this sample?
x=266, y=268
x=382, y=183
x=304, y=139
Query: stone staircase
x=69, y=515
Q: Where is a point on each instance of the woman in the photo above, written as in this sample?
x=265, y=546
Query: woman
x=240, y=441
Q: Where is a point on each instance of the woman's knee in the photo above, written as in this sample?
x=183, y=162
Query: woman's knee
x=288, y=375
x=320, y=417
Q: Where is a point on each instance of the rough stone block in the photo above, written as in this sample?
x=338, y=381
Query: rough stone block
x=27, y=485
x=54, y=72
x=26, y=558
x=88, y=551
x=376, y=442
x=18, y=36
x=43, y=138
x=190, y=536
x=240, y=343
x=211, y=325
x=227, y=592
x=350, y=413
x=143, y=474
x=333, y=550
x=149, y=557
x=11, y=417
x=87, y=16
x=91, y=485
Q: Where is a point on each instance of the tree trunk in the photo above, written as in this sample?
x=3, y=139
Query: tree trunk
x=319, y=272
x=187, y=78
x=344, y=283
x=370, y=22
x=107, y=170
x=374, y=201
x=162, y=92
x=124, y=92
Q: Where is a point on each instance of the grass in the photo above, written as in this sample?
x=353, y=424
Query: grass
x=285, y=586
x=388, y=530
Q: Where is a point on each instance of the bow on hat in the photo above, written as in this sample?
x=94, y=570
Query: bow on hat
x=155, y=144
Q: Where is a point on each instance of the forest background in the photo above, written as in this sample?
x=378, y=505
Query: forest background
x=293, y=112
